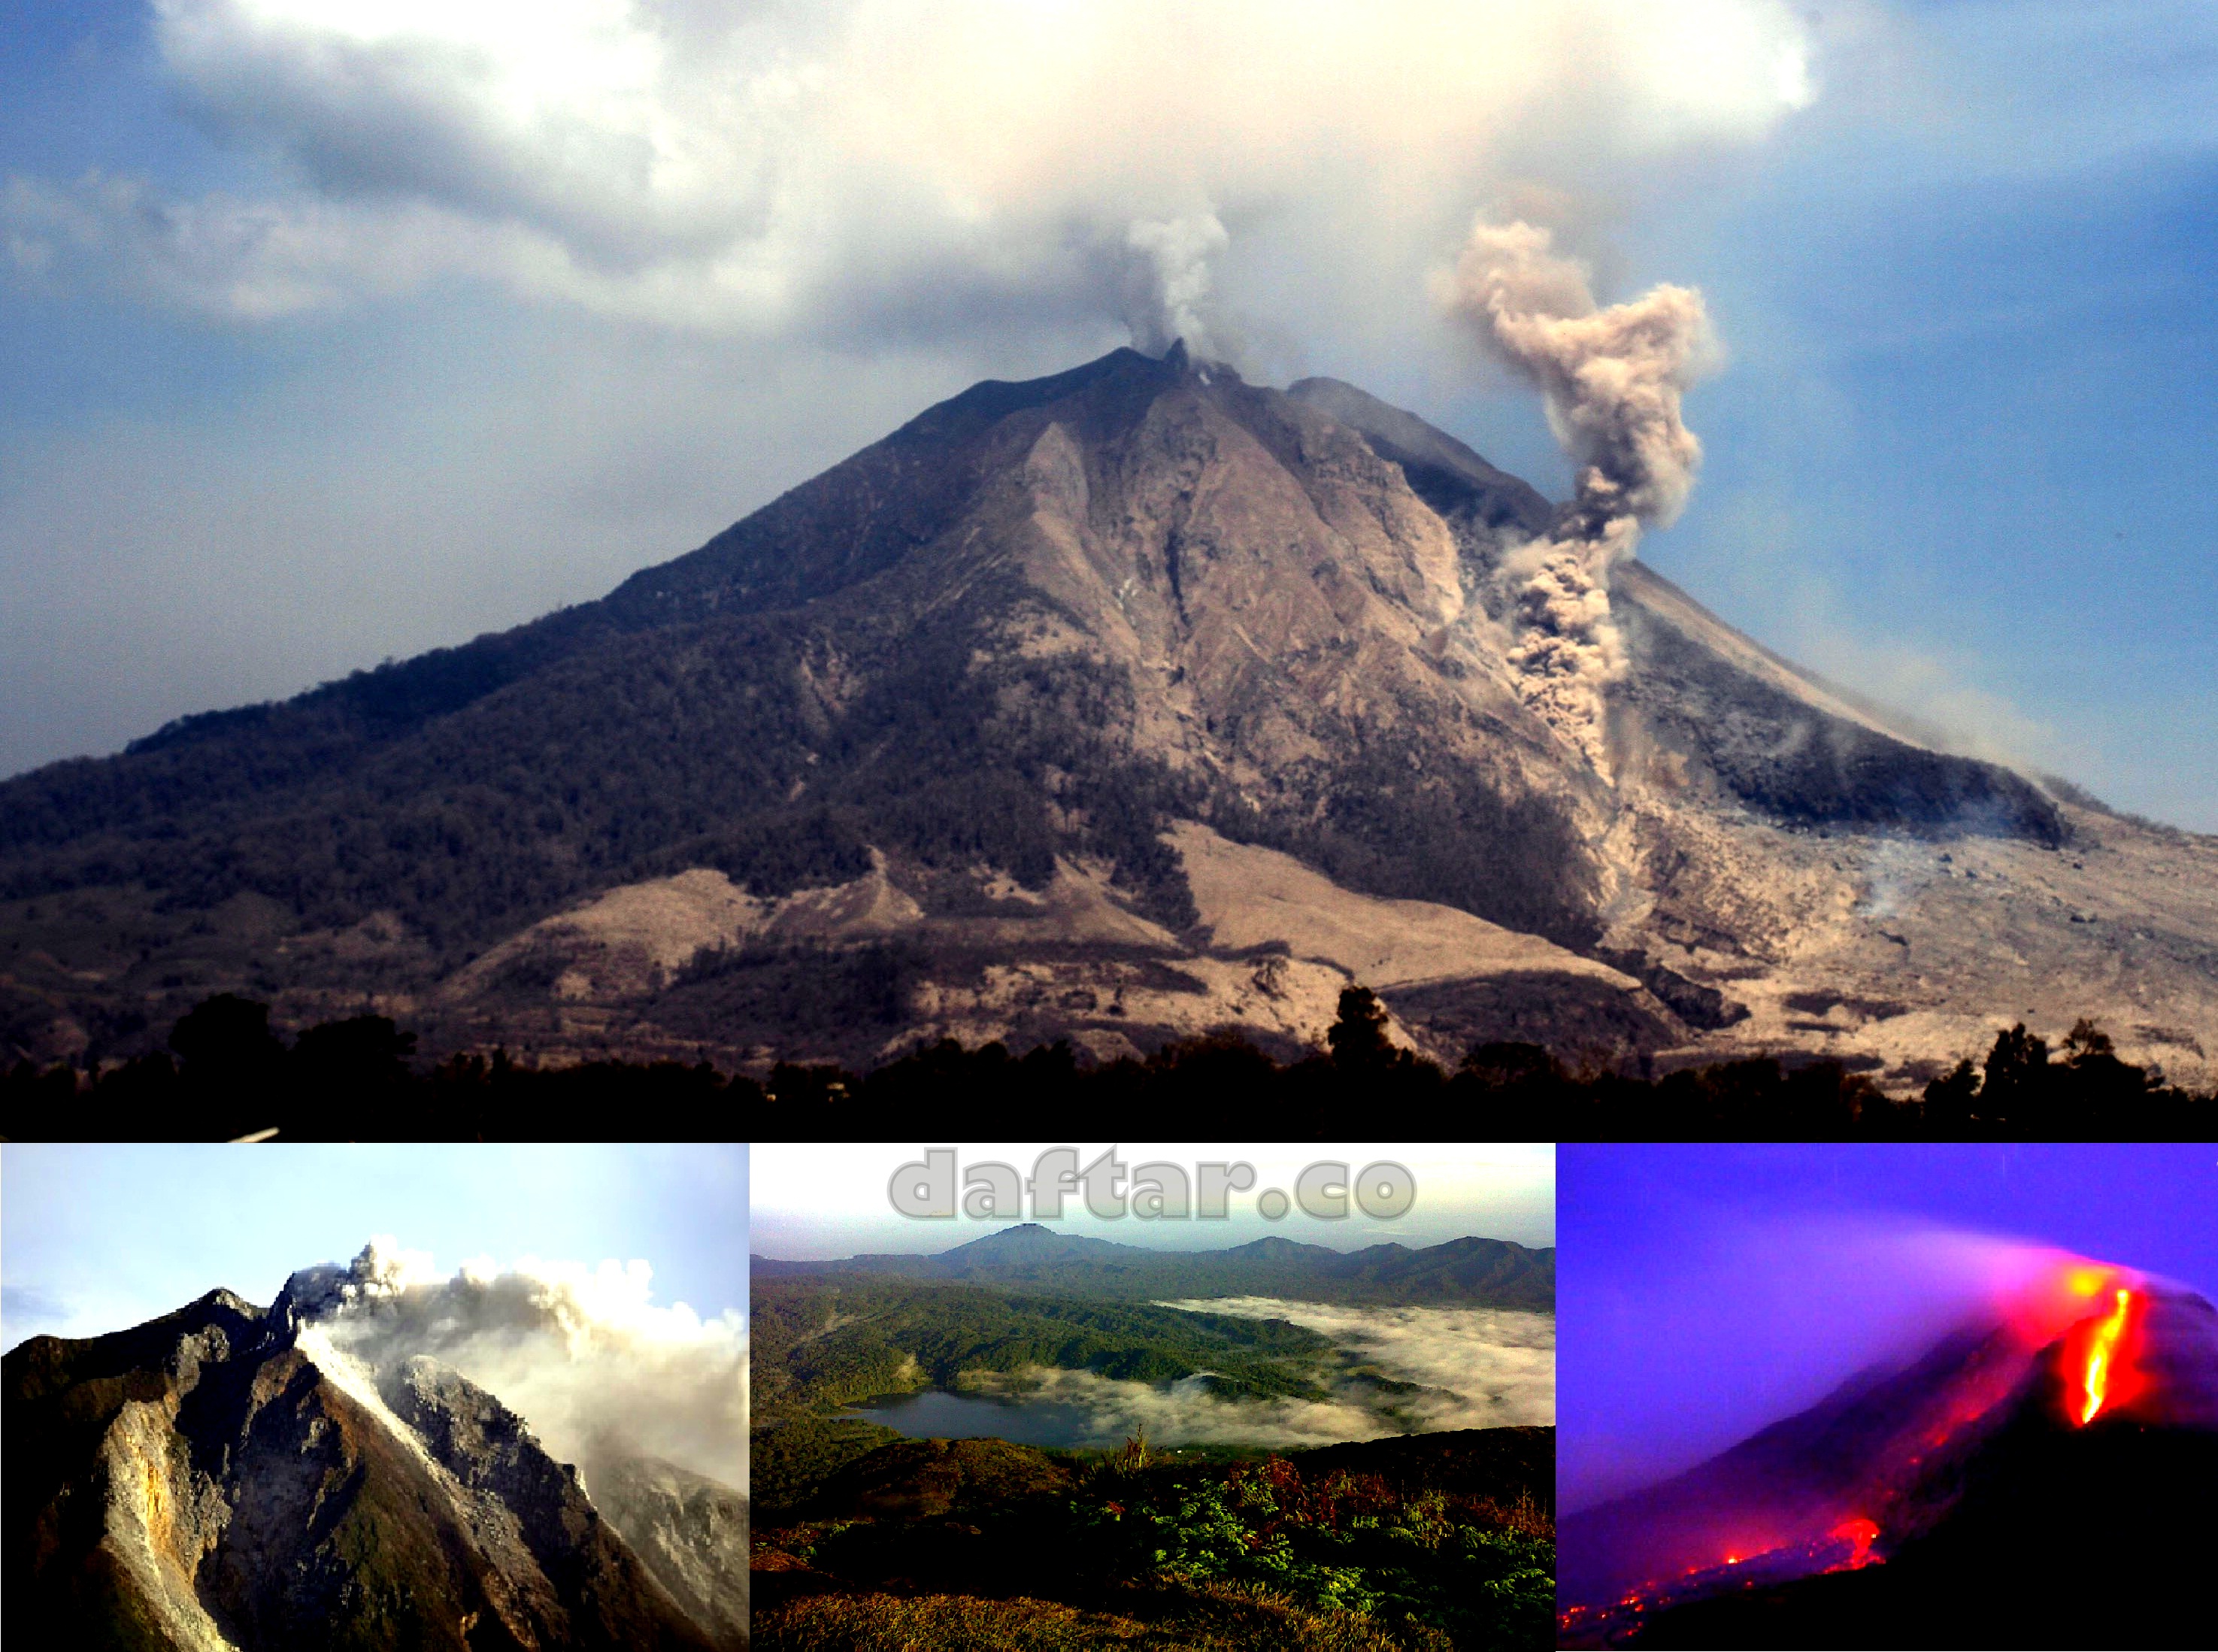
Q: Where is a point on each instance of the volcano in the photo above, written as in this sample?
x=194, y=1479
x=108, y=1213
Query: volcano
x=1120, y=705
x=2039, y=1479
x=221, y=1478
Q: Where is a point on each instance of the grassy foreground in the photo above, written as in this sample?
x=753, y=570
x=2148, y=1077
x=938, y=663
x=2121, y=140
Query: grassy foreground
x=1430, y=1542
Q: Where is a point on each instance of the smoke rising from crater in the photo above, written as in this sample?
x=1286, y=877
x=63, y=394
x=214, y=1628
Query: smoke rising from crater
x=880, y=168
x=1612, y=380
x=1168, y=298
x=583, y=1354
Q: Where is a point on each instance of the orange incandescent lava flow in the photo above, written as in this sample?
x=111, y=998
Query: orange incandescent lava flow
x=1860, y=1532
x=2101, y=1358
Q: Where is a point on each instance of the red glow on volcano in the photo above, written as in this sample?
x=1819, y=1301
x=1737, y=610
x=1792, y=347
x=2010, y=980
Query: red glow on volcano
x=2097, y=1362
x=1862, y=1533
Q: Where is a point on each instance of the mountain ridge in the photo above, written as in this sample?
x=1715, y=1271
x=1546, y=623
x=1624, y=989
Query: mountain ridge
x=203, y=1481
x=1121, y=705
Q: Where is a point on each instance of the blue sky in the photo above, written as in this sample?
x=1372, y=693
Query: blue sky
x=96, y=1238
x=816, y=1201
x=332, y=332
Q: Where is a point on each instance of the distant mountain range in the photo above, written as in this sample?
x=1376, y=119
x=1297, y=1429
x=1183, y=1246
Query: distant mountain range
x=1123, y=705
x=200, y=1484
x=1473, y=1272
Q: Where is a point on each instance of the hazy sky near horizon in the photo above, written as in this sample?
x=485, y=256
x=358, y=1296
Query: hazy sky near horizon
x=96, y=1238
x=815, y=1202
x=333, y=331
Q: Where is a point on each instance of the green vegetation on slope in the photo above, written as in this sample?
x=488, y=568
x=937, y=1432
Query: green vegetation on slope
x=821, y=1342
x=1444, y=1542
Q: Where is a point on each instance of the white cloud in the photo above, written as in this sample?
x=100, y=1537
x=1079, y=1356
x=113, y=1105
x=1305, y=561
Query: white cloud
x=585, y=1355
x=887, y=165
x=1492, y=1368
x=1481, y=1368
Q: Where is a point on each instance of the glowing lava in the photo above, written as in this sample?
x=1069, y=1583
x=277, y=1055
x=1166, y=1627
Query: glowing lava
x=2085, y=1281
x=1861, y=1533
x=2099, y=1371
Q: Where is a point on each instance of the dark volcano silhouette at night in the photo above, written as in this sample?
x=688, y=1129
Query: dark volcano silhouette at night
x=2038, y=1473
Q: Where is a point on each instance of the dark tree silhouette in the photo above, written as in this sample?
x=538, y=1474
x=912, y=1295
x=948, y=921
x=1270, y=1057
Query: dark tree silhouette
x=1358, y=1039
x=237, y=1076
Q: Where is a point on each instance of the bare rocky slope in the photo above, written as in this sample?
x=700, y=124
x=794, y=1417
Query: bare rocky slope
x=1944, y=1502
x=1119, y=706
x=211, y=1481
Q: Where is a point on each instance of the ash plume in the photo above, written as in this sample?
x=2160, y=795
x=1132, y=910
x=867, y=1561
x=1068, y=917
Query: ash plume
x=1168, y=295
x=598, y=1369
x=1612, y=380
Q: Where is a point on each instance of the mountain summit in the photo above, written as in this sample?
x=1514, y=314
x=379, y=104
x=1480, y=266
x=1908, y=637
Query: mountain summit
x=217, y=1480
x=1117, y=705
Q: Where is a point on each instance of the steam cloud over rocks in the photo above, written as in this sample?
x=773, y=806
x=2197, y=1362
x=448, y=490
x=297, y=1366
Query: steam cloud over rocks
x=1612, y=380
x=582, y=1354
x=1478, y=1368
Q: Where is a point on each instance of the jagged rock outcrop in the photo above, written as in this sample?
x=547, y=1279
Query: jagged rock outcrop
x=214, y=1480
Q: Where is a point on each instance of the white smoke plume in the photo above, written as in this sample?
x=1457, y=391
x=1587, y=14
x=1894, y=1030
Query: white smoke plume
x=1171, y=290
x=583, y=1354
x=1612, y=380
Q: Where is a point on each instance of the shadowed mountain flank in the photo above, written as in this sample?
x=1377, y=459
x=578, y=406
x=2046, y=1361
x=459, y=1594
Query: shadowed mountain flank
x=1124, y=705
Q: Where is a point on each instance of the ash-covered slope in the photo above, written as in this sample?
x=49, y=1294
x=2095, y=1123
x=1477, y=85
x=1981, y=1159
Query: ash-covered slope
x=2000, y=1490
x=1117, y=705
x=218, y=1478
x=1470, y=1271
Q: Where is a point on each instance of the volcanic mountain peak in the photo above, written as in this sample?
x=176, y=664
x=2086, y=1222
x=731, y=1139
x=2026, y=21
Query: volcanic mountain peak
x=220, y=1479
x=1276, y=1247
x=1900, y=1464
x=1121, y=705
x=1032, y=1242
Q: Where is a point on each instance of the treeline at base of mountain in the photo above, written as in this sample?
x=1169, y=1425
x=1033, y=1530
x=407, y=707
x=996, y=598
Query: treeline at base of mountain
x=1437, y=1541
x=227, y=1073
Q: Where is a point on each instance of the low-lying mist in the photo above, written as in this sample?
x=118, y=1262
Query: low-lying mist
x=1476, y=1368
